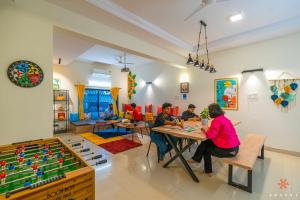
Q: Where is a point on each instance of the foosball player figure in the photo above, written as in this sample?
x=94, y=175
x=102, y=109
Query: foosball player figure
x=44, y=151
x=18, y=151
x=36, y=158
x=50, y=153
x=11, y=168
x=3, y=177
x=39, y=174
x=22, y=154
x=47, y=146
x=29, y=162
x=34, y=167
x=45, y=158
x=3, y=164
x=21, y=160
x=27, y=183
x=22, y=148
x=62, y=152
x=60, y=160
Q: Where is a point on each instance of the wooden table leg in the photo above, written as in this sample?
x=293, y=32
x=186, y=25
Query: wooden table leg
x=179, y=154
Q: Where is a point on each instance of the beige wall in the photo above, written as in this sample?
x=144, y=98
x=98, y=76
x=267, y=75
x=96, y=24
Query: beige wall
x=26, y=113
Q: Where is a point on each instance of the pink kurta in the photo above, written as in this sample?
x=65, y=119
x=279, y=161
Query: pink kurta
x=222, y=133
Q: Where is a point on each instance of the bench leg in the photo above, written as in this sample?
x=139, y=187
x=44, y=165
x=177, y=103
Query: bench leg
x=262, y=153
x=237, y=185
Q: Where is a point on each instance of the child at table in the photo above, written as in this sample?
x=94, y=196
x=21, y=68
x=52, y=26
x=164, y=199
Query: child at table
x=163, y=118
x=222, y=139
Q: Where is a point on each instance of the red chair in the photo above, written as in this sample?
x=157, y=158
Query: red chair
x=176, y=111
x=139, y=108
x=128, y=107
x=159, y=109
x=171, y=111
x=148, y=108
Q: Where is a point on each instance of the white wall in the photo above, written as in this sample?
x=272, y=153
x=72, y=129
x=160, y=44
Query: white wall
x=26, y=113
x=75, y=73
x=257, y=116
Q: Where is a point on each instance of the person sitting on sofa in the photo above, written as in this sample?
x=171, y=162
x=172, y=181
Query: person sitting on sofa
x=109, y=112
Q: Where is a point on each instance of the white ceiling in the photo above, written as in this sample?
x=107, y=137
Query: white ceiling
x=70, y=46
x=263, y=19
x=102, y=54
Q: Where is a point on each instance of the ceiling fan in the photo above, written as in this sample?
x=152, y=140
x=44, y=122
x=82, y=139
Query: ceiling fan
x=203, y=4
x=122, y=61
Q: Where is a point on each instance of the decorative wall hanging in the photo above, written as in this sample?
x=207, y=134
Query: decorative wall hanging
x=24, y=73
x=284, y=91
x=226, y=93
x=131, y=85
x=184, y=87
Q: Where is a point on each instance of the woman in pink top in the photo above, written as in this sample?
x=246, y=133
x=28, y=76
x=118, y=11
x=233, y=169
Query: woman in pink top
x=222, y=139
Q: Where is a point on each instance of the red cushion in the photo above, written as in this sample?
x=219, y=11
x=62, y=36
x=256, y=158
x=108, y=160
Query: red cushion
x=128, y=107
x=171, y=111
x=176, y=111
x=148, y=108
x=139, y=108
x=159, y=109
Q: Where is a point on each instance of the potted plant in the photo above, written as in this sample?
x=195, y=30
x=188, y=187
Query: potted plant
x=204, y=116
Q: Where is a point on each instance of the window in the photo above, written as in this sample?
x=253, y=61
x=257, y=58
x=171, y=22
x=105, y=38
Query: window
x=96, y=101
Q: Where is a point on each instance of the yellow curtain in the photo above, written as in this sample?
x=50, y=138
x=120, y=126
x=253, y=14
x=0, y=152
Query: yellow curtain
x=114, y=94
x=80, y=90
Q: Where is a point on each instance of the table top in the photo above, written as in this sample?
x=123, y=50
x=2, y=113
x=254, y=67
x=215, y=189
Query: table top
x=191, y=130
x=131, y=125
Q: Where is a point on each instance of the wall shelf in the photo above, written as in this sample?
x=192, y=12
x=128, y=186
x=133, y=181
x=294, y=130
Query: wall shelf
x=60, y=100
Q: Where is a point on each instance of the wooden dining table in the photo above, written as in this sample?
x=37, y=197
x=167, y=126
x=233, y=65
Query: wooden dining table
x=192, y=132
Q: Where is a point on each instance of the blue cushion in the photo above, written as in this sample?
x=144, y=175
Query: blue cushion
x=94, y=115
x=74, y=117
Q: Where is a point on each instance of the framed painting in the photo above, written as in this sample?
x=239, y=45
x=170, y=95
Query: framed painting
x=226, y=93
x=184, y=87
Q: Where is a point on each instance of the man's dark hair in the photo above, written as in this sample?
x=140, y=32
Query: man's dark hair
x=191, y=106
x=133, y=105
x=215, y=110
x=165, y=105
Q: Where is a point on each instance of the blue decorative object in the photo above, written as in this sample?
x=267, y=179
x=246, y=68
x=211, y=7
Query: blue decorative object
x=29, y=162
x=294, y=86
x=284, y=95
x=274, y=97
x=274, y=89
x=284, y=103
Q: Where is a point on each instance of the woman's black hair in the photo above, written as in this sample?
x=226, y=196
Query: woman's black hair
x=165, y=105
x=133, y=105
x=215, y=110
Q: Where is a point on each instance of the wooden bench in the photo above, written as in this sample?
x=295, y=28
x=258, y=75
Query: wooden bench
x=251, y=148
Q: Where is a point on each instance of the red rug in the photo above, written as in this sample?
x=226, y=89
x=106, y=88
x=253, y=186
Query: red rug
x=120, y=146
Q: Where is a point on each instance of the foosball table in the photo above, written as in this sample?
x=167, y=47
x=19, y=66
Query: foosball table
x=44, y=169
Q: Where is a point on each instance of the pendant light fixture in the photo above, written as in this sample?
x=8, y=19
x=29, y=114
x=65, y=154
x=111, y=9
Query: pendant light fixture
x=202, y=65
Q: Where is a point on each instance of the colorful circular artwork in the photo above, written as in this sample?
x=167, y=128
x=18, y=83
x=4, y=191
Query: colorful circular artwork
x=25, y=73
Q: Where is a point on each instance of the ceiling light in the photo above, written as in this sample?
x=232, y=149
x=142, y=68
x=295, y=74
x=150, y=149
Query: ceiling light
x=196, y=63
x=235, y=18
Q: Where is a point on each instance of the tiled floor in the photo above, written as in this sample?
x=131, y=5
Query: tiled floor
x=130, y=175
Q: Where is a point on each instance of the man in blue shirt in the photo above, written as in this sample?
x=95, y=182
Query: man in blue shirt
x=163, y=118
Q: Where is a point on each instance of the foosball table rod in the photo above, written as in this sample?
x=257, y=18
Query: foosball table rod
x=99, y=162
x=94, y=157
x=40, y=159
x=72, y=142
x=8, y=154
x=83, y=150
x=44, y=182
x=32, y=146
x=30, y=154
x=29, y=169
x=87, y=154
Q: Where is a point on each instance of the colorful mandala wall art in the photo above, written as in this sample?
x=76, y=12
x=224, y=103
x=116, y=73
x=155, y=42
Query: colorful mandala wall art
x=131, y=85
x=24, y=73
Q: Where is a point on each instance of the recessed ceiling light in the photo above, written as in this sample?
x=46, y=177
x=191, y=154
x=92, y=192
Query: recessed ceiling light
x=235, y=18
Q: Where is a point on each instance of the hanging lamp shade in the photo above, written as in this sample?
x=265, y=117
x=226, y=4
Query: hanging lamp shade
x=202, y=64
x=212, y=69
x=197, y=64
x=190, y=60
x=207, y=68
